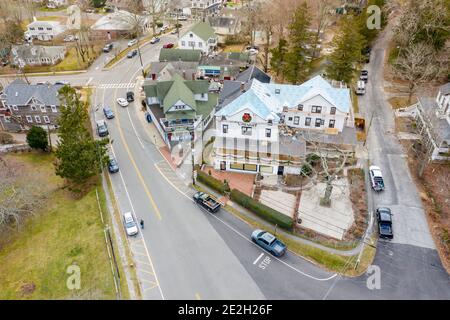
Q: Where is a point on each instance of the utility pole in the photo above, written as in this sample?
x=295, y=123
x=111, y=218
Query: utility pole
x=368, y=128
x=49, y=138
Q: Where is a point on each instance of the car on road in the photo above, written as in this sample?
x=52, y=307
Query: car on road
x=269, y=242
x=109, y=114
x=182, y=18
x=168, y=45
x=132, y=53
x=108, y=47
x=206, y=201
x=130, y=96
x=63, y=82
x=384, y=218
x=132, y=42
x=376, y=178
x=174, y=31
x=360, y=87
x=130, y=225
x=364, y=76
x=155, y=40
x=113, y=166
x=122, y=102
x=102, y=128
x=164, y=28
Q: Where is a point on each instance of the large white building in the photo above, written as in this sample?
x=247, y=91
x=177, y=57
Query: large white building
x=44, y=30
x=254, y=117
x=201, y=37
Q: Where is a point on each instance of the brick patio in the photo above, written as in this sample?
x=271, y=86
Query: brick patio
x=240, y=181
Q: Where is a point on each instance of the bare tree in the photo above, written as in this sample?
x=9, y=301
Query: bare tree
x=19, y=194
x=155, y=9
x=320, y=22
x=416, y=65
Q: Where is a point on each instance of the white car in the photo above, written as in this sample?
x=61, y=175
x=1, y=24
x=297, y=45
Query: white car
x=376, y=178
x=122, y=102
x=132, y=42
x=164, y=28
x=130, y=225
x=253, y=51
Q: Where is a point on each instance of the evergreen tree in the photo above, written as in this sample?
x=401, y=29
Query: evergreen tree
x=297, y=65
x=37, y=138
x=347, y=44
x=278, y=56
x=79, y=156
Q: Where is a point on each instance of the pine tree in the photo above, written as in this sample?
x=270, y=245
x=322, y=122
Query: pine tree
x=347, y=44
x=297, y=65
x=37, y=138
x=79, y=156
x=278, y=56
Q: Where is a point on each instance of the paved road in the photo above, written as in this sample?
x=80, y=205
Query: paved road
x=185, y=253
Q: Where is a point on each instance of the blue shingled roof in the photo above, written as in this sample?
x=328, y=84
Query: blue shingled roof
x=262, y=98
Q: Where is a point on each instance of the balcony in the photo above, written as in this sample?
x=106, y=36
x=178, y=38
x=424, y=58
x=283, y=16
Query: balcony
x=179, y=124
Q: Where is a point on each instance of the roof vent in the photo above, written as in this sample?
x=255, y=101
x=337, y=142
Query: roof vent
x=277, y=91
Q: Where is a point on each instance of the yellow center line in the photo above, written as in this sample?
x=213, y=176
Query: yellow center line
x=141, y=179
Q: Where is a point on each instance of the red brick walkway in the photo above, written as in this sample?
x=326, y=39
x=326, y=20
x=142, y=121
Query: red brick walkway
x=240, y=181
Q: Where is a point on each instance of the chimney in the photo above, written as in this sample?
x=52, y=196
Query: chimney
x=242, y=86
x=193, y=76
x=184, y=75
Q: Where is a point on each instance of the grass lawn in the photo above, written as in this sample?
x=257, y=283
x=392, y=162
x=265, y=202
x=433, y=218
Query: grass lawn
x=401, y=102
x=233, y=48
x=65, y=232
x=51, y=18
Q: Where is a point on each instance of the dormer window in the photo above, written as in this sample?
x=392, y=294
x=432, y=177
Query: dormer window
x=300, y=107
x=316, y=109
x=191, y=35
x=270, y=121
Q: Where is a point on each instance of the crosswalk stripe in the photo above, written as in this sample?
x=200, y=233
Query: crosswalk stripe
x=116, y=85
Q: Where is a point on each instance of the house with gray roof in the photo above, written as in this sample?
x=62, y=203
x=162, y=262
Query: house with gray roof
x=24, y=105
x=180, y=108
x=200, y=36
x=225, y=26
x=187, y=55
x=35, y=55
x=433, y=123
x=164, y=71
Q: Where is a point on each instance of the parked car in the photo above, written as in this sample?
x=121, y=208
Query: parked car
x=108, y=47
x=132, y=53
x=130, y=96
x=63, y=82
x=132, y=42
x=360, y=87
x=69, y=38
x=364, y=75
x=366, y=54
x=122, y=102
x=376, y=178
x=155, y=40
x=113, y=166
x=384, y=218
x=130, y=225
x=269, y=242
x=182, y=18
x=168, y=45
x=102, y=128
x=109, y=114
x=164, y=28
x=206, y=201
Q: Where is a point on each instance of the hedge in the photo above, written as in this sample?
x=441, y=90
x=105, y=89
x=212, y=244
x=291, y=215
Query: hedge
x=213, y=182
x=265, y=212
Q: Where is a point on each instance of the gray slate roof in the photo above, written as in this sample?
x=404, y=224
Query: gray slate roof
x=445, y=89
x=24, y=51
x=440, y=127
x=173, y=67
x=19, y=93
x=253, y=73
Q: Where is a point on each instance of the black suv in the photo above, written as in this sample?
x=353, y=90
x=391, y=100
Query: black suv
x=384, y=218
x=130, y=96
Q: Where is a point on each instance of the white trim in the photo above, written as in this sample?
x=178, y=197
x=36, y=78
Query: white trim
x=29, y=119
x=37, y=119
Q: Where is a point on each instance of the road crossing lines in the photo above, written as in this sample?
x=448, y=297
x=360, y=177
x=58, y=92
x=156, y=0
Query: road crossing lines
x=116, y=85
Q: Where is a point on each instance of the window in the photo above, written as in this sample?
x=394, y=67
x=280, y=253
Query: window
x=318, y=122
x=300, y=107
x=40, y=28
x=289, y=118
x=331, y=123
x=270, y=122
x=54, y=109
x=199, y=44
x=46, y=119
x=316, y=109
x=268, y=133
x=29, y=119
x=191, y=35
x=333, y=110
x=296, y=120
x=7, y=119
x=225, y=128
x=277, y=91
x=15, y=108
x=37, y=119
x=49, y=29
x=191, y=43
x=43, y=109
x=33, y=108
x=247, y=131
x=183, y=43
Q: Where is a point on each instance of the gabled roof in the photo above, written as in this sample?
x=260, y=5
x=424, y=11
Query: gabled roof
x=253, y=72
x=20, y=93
x=180, y=55
x=178, y=91
x=203, y=30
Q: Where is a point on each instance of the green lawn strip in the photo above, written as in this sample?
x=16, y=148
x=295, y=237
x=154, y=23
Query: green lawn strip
x=116, y=215
x=65, y=232
x=125, y=51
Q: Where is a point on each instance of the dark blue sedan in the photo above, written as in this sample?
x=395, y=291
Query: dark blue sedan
x=113, y=166
x=269, y=242
x=109, y=114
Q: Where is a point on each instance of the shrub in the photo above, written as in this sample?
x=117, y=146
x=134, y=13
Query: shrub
x=159, y=24
x=213, y=182
x=6, y=138
x=37, y=138
x=265, y=212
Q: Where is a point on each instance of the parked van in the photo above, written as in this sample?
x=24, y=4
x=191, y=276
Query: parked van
x=360, y=87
